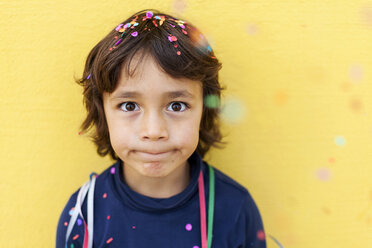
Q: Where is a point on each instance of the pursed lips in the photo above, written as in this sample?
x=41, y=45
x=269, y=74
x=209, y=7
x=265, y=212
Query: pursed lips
x=155, y=153
x=154, y=156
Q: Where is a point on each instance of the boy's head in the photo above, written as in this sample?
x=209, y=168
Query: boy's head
x=169, y=55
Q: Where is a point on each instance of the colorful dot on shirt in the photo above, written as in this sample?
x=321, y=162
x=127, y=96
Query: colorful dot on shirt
x=104, y=195
x=108, y=217
x=109, y=240
x=188, y=227
x=133, y=227
x=195, y=246
x=65, y=223
x=75, y=237
x=112, y=170
x=79, y=222
x=261, y=235
x=71, y=211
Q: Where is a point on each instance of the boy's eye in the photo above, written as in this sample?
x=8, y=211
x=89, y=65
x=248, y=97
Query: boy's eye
x=128, y=106
x=175, y=106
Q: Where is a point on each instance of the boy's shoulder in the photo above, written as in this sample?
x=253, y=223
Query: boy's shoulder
x=230, y=189
x=228, y=181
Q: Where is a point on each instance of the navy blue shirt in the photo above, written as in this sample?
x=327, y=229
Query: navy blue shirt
x=125, y=218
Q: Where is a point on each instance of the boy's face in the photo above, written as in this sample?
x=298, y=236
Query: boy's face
x=155, y=119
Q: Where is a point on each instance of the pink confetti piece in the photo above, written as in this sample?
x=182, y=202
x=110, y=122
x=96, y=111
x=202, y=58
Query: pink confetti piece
x=75, y=237
x=178, y=53
x=323, y=174
x=108, y=217
x=188, y=227
x=112, y=170
x=149, y=14
x=261, y=235
x=104, y=195
x=134, y=34
x=172, y=38
x=88, y=76
x=109, y=240
x=119, y=26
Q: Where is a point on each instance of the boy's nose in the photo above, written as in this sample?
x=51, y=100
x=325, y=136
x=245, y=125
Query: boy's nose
x=153, y=126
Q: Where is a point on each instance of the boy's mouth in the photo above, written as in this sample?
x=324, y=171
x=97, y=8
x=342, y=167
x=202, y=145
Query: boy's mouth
x=153, y=152
x=153, y=155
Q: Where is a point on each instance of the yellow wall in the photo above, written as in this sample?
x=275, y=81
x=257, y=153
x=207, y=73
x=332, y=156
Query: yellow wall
x=297, y=110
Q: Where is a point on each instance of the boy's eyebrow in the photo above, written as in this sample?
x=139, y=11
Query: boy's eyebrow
x=170, y=94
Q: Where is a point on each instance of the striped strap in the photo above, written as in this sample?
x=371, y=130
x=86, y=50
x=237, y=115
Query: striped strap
x=210, y=206
x=202, y=211
x=206, y=242
x=88, y=230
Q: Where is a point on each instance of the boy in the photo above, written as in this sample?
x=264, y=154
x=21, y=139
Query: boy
x=154, y=122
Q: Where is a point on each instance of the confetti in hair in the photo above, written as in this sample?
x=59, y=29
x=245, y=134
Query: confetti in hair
x=117, y=43
x=149, y=14
x=197, y=38
x=119, y=27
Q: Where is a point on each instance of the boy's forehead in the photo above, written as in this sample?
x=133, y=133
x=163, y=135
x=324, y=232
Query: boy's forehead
x=177, y=88
x=150, y=76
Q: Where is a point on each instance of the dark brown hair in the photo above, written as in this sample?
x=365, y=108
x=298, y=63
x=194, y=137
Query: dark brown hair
x=195, y=60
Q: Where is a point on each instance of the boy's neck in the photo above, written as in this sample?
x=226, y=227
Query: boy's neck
x=166, y=187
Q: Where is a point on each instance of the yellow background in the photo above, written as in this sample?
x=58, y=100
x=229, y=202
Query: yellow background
x=299, y=118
